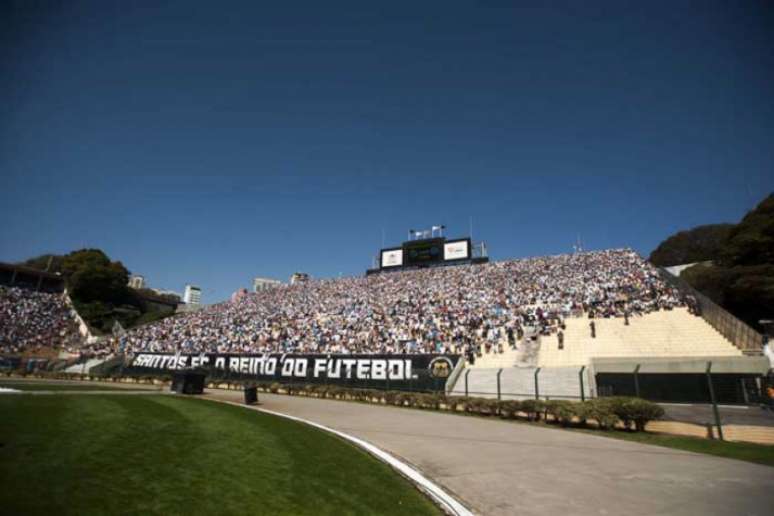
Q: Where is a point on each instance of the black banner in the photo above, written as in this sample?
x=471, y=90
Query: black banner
x=396, y=372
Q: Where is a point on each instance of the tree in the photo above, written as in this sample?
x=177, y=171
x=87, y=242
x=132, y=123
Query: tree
x=91, y=276
x=98, y=288
x=751, y=242
x=702, y=243
x=742, y=278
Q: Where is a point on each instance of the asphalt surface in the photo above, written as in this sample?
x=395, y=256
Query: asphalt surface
x=729, y=415
x=497, y=467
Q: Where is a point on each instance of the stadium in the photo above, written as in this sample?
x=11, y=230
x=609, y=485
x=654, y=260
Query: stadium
x=590, y=340
x=386, y=258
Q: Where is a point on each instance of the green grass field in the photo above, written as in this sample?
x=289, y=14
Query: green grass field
x=31, y=385
x=104, y=454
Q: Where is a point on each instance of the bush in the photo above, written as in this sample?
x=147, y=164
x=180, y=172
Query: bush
x=635, y=413
x=509, y=409
x=562, y=411
x=532, y=408
x=428, y=401
x=456, y=402
x=600, y=410
x=274, y=388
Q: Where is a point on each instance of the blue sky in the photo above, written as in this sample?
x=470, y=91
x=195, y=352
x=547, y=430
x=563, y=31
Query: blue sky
x=210, y=142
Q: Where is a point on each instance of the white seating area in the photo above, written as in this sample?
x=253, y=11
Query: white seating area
x=666, y=333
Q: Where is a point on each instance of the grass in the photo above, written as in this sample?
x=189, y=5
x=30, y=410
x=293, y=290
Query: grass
x=26, y=385
x=750, y=452
x=167, y=455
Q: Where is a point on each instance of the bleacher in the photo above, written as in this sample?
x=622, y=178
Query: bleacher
x=667, y=333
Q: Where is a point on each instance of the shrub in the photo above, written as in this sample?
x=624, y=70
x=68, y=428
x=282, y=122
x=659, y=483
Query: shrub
x=427, y=401
x=600, y=410
x=274, y=388
x=562, y=411
x=455, y=403
x=405, y=399
x=509, y=409
x=482, y=406
x=532, y=408
x=635, y=413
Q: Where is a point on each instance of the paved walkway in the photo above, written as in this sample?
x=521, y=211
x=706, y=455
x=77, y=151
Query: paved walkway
x=497, y=467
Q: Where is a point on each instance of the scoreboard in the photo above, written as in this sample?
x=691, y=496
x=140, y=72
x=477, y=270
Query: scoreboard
x=419, y=252
x=425, y=253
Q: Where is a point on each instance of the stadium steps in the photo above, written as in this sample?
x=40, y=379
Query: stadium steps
x=666, y=333
x=519, y=383
x=525, y=355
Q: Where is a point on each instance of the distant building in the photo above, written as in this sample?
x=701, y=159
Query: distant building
x=299, y=277
x=260, y=284
x=165, y=292
x=136, y=281
x=192, y=295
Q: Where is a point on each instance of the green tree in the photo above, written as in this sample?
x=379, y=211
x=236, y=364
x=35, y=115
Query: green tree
x=751, y=242
x=91, y=276
x=702, y=243
x=742, y=278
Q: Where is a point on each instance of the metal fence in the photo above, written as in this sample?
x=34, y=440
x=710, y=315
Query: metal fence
x=579, y=388
x=739, y=333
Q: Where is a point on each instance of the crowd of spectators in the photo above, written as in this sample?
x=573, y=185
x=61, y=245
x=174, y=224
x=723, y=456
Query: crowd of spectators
x=31, y=321
x=466, y=309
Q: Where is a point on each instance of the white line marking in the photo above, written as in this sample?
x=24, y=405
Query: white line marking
x=424, y=483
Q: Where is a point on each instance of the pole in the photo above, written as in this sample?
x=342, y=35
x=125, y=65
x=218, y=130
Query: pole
x=537, y=392
x=466, y=382
x=580, y=377
x=714, y=403
x=637, y=381
x=499, y=372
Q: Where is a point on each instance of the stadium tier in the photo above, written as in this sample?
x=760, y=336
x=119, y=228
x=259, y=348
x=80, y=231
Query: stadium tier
x=496, y=314
x=31, y=321
x=474, y=310
x=667, y=333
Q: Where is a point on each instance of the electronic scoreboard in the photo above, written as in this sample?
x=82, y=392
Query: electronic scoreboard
x=426, y=252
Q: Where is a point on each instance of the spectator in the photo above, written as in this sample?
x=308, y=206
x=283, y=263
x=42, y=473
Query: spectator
x=31, y=321
x=467, y=309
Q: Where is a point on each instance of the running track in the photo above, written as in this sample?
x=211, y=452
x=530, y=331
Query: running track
x=498, y=467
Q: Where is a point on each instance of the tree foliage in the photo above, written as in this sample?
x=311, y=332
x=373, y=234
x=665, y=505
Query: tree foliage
x=91, y=276
x=751, y=242
x=741, y=279
x=98, y=287
x=699, y=244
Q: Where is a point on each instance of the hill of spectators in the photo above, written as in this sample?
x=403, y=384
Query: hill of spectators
x=463, y=309
x=31, y=321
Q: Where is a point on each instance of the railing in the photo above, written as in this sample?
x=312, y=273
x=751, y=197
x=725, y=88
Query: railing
x=740, y=334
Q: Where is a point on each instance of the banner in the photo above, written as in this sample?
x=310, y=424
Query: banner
x=396, y=372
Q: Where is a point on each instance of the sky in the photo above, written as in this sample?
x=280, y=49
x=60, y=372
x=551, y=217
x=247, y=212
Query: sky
x=212, y=142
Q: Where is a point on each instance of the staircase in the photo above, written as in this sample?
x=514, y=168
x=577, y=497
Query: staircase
x=666, y=333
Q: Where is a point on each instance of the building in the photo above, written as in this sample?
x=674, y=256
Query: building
x=166, y=293
x=299, y=277
x=136, y=281
x=192, y=295
x=260, y=284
